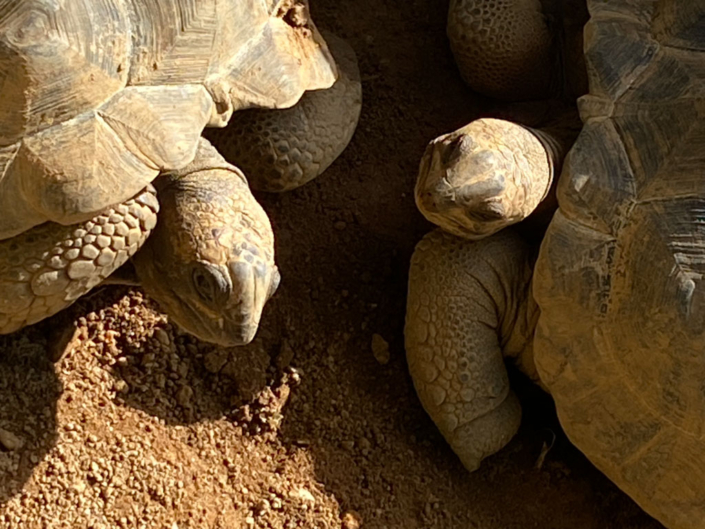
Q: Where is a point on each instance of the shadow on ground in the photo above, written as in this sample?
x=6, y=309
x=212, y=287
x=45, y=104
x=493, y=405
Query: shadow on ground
x=29, y=390
x=344, y=244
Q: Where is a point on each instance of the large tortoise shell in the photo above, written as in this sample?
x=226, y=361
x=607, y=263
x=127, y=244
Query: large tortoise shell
x=98, y=97
x=621, y=337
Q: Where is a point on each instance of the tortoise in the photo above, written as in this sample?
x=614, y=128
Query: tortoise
x=99, y=99
x=608, y=317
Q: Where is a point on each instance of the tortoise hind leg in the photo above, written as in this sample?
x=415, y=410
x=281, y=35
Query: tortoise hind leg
x=46, y=269
x=469, y=305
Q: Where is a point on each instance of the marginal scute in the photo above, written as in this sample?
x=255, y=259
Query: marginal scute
x=11, y=225
x=621, y=445
x=160, y=125
x=270, y=75
x=282, y=149
x=575, y=287
x=70, y=173
x=235, y=36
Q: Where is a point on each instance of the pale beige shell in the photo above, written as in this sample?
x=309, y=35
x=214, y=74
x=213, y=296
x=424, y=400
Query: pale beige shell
x=99, y=97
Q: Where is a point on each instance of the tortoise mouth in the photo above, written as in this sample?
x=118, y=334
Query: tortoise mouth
x=234, y=330
x=226, y=333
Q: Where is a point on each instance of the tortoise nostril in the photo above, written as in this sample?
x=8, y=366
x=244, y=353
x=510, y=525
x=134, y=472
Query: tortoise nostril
x=455, y=149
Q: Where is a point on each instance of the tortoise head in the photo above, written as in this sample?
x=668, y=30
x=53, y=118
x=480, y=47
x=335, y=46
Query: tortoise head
x=209, y=263
x=482, y=178
x=278, y=58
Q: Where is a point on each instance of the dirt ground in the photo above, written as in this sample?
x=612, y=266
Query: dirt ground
x=140, y=426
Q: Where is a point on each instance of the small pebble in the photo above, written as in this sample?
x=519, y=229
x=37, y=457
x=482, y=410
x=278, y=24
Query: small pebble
x=216, y=360
x=262, y=507
x=306, y=495
x=364, y=444
x=380, y=349
x=9, y=441
x=79, y=486
x=162, y=336
x=351, y=520
x=183, y=397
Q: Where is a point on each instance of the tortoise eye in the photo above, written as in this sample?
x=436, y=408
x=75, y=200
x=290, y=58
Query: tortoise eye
x=210, y=284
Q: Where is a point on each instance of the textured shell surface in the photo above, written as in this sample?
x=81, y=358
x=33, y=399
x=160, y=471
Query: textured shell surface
x=619, y=280
x=99, y=96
